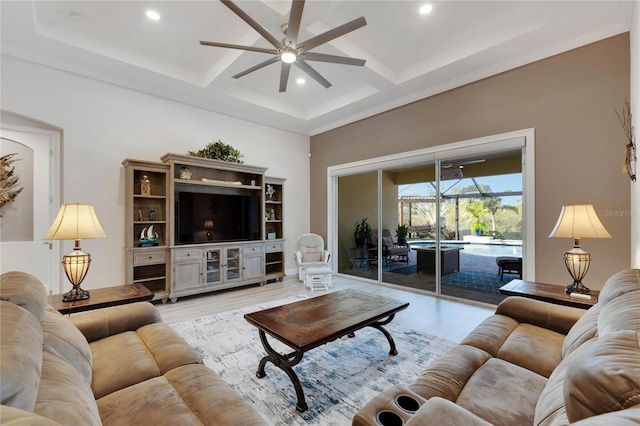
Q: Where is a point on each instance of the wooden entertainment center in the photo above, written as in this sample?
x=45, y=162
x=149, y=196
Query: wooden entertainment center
x=195, y=225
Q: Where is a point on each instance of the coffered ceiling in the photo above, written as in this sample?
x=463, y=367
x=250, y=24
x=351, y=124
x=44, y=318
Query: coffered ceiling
x=409, y=56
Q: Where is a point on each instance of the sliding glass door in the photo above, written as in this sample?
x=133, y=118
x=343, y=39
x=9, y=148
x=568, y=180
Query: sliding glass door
x=451, y=222
x=357, y=220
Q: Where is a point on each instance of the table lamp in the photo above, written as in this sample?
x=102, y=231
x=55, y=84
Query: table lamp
x=208, y=225
x=578, y=221
x=75, y=222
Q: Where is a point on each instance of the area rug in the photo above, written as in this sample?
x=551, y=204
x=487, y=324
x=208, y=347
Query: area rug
x=338, y=378
x=407, y=270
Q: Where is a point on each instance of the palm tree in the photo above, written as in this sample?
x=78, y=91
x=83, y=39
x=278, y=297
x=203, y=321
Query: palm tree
x=493, y=204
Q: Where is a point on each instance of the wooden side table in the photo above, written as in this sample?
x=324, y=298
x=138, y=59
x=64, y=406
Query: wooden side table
x=547, y=293
x=102, y=298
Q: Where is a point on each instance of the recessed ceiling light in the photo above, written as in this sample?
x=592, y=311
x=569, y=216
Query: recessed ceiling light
x=153, y=15
x=426, y=9
x=301, y=81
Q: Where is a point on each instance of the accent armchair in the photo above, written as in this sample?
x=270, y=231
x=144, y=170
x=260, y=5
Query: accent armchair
x=311, y=253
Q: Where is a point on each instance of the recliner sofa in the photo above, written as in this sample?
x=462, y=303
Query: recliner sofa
x=532, y=363
x=113, y=366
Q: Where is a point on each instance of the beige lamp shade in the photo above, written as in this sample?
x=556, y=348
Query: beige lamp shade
x=75, y=222
x=208, y=224
x=579, y=221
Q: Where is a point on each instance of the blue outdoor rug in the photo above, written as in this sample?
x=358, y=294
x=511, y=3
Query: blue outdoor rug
x=338, y=378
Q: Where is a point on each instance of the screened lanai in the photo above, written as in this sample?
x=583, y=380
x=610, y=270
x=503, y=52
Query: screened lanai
x=473, y=214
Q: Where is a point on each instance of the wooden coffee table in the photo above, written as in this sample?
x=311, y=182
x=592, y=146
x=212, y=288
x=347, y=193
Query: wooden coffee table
x=313, y=322
x=102, y=298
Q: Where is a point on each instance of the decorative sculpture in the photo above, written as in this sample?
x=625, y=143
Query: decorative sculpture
x=630, y=157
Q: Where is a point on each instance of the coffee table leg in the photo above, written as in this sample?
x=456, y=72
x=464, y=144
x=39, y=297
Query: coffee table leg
x=285, y=363
x=379, y=326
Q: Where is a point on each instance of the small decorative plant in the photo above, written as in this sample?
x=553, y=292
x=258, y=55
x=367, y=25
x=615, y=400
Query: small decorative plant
x=362, y=232
x=219, y=151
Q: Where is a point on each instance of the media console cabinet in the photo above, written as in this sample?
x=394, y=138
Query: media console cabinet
x=195, y=225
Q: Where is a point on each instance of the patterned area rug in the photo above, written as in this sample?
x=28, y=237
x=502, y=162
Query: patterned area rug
x=338, y=378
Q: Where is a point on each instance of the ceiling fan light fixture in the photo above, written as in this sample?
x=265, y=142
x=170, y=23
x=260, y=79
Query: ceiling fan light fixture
x=288, y=56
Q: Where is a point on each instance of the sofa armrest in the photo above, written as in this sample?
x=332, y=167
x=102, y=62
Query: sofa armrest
x=101, y=323
x=440, y=411
x=542, y=314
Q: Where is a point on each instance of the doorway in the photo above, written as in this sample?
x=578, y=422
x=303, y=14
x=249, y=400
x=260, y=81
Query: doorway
x=25, y=220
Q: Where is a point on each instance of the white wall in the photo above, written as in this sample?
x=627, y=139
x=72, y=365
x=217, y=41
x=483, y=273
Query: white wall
x=103, y=124
x=635, y=108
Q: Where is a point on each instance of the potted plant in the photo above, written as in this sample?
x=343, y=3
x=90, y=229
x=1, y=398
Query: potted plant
x=475, y=210
x=219, y=151
x=362, y=232
x=402, y=232
x=478, y=227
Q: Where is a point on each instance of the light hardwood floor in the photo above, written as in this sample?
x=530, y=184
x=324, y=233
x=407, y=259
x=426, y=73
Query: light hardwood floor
x=442, y=317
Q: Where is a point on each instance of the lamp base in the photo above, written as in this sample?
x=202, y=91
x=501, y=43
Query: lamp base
x=577, y=287
x=76, y=293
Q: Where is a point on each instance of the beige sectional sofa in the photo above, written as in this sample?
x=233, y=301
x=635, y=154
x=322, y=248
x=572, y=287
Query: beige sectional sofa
x=532, y=363
x=113, y=366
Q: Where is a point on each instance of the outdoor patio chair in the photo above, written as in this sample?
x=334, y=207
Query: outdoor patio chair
x=391, y=251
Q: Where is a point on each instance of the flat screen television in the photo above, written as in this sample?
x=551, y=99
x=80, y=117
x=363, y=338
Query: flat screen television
x=210, y=218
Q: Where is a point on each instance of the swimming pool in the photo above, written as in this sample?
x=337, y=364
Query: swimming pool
x=493, y=250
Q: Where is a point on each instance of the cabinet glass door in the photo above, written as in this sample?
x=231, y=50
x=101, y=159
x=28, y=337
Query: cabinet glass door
x=212, y=274
x=233, y=263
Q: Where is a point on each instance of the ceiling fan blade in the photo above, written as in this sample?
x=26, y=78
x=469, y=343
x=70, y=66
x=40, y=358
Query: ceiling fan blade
x=257, y=67
x=321, y=57
x=295, y=16
x=237, y=46
x=284, y=76
x=312, y=73
x=334, y=33
x=246, y=18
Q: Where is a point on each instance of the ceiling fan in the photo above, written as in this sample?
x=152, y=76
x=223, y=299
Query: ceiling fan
x=288, y=51
x=460, y=164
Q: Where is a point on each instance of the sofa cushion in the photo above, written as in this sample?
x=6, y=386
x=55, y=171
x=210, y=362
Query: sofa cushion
x=20, y=356
x=64, y=395
x=534, y=348
x=583, y=330
x=141, y=355
x=68, y=341
x=447, y=376
x=618, y=284
x=502, y=393
x=550, y=409
x=10, y=416
x=621, y=313
x=604, y=377
x=25, y=291
x=191, y=394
